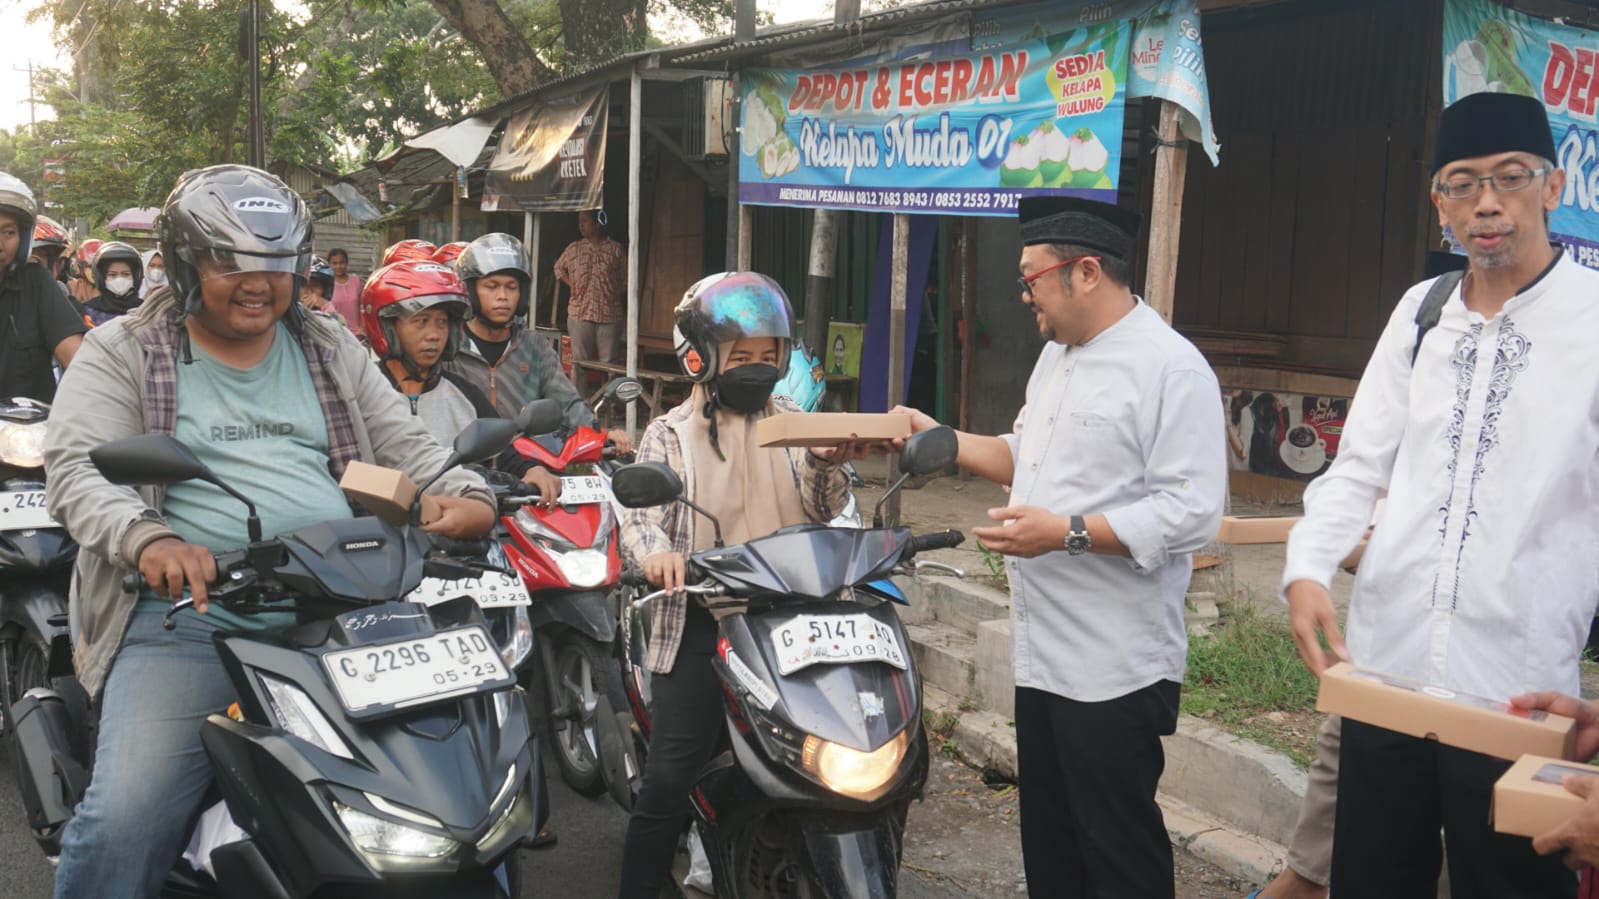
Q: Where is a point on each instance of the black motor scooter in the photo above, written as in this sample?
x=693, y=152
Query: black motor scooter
x=825, y=746
x=36, y=557
x=379, y=747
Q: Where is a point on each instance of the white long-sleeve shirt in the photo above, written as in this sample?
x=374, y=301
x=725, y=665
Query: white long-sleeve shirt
x=1484, y=572
x=1129, y=426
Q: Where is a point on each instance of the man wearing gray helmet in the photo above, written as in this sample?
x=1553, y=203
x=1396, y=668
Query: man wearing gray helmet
x=38, y=323
x=225, y=360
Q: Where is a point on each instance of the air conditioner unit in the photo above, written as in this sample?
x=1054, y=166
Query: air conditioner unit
x=707, y=117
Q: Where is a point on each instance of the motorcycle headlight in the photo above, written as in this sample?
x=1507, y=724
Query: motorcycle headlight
x=22, y=445
x=859, y=775
x=297, y=713
x=381, y=836
x=583, y=567
x=529, y=524
x=519, y=644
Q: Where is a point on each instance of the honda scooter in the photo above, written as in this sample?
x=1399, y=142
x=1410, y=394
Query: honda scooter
x=379, y=747
x=824, y=747
x=36, y=557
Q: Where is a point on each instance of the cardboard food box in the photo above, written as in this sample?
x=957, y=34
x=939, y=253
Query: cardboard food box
x=830, y=428
x=1247, y=531
x=1436, y=713
x=1530, y=800
x=386, y=493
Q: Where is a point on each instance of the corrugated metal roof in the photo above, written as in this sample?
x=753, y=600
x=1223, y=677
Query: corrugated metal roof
x=728, y=49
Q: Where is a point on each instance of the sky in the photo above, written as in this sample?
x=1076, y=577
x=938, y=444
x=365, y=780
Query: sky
x=34, y=43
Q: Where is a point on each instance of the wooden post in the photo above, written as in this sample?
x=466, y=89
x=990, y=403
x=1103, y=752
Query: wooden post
x=899, y=265
x=635, y=131
x=968, y=300
x=1165, y=212
x=455, y=212
x=746, y=237
x=530, y=240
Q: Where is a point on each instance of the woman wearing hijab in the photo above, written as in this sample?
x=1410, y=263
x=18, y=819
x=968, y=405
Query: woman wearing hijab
x=155, y=272
x=734, y=336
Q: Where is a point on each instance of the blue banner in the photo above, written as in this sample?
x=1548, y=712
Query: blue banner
x=1490, y=48
x=967, y=134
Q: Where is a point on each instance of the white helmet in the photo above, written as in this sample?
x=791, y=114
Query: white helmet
x=16, y=199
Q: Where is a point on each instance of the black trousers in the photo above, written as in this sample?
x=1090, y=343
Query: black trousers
x=1088, y=772
x=1394, y=794
x=687, y=716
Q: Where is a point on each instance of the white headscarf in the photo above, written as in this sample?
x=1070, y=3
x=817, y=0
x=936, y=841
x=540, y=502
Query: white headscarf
x=144, y=283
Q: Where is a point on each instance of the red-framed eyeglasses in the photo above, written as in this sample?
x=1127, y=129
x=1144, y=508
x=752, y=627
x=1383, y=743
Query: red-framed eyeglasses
x=1026, y=281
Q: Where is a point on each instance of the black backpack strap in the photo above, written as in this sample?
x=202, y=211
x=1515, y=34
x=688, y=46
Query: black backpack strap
x=1432, y=308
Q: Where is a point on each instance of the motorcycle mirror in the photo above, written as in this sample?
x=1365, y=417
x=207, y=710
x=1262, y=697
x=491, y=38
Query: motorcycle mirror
x=624, y=390
x=646, y=484
x=148, y=459
x=484, y=439
x=160, y=459
x=929, y=451
x=541, y=416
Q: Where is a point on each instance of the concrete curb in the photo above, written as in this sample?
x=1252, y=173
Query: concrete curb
x=1251, y=790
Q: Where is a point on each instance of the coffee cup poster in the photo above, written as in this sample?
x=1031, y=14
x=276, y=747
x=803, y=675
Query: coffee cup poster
x=1284, y=435
x=968, y=134
x=1488, y=47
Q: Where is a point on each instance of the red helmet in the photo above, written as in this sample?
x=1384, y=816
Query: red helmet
x=47, y=232
x=447, y=253
x=405, y=288
x=408, y=249
x=87, y=251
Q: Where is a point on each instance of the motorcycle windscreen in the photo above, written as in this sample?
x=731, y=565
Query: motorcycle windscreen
x=860, y=704
x=807, y=561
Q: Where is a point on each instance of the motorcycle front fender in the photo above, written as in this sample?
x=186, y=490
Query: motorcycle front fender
x=586, y=611
x=851, y=858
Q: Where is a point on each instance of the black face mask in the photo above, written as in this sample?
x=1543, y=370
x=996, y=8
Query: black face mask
x=746, y=388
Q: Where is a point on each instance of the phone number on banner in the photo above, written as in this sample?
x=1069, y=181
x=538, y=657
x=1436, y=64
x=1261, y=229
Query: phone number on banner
x=977, y=202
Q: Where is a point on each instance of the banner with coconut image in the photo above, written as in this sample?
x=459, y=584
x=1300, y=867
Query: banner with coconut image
x=968, y=134
x=1488, y=47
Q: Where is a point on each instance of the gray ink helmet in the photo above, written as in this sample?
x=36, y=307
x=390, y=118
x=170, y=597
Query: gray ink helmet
x=232, y=218
x=725, y=308
x=16, y=199
x=117, y=251
x=494, y=254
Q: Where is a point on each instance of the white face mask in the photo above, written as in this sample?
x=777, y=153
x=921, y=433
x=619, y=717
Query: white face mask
x=156, y=277
x=119, y=286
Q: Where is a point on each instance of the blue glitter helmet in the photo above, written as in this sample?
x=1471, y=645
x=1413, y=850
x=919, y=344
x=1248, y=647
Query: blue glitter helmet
x=726, y=307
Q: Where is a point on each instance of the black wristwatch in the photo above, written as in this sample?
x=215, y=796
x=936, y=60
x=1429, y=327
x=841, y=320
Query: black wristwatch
x=1077, y=539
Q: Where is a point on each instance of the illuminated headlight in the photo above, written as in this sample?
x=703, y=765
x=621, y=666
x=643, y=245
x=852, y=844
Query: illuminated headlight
x=519, y=645
x=298, y=714
x=380, y=836
x=859, y=775
x=22, y=445
x=584, y=567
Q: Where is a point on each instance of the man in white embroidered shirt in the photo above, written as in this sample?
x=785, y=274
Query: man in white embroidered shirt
x=1482, y=431
x=1117, y=467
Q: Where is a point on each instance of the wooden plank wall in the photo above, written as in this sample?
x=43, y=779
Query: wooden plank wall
x=1314, y=224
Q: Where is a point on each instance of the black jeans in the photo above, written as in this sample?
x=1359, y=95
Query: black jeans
x=1394, y=794
x=688, y=715
x=1088, y=772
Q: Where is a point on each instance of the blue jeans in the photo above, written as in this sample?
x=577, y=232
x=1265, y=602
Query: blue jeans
x=151, y=772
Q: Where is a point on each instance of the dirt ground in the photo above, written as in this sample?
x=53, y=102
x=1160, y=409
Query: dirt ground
x=965, y=834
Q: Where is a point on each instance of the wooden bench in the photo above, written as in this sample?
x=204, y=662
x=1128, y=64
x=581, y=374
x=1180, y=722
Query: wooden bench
x=655, y=382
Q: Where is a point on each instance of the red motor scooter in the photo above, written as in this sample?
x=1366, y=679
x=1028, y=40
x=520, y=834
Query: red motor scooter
x=569, y=560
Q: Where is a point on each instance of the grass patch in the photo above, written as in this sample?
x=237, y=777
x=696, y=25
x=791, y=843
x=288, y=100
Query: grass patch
x=1246, y=678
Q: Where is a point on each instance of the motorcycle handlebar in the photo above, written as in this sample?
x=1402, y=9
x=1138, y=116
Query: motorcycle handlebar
x=633, y=577
x=944, y=540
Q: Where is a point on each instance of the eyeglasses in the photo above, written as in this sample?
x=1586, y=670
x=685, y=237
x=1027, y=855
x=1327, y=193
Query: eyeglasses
x=1026, y=281
x=1464, y=187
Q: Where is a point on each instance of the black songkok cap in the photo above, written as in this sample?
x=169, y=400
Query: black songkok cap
x=1108, y=229
x=1486, y=124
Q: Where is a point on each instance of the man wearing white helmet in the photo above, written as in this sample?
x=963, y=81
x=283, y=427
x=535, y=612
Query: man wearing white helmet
x=38, y=322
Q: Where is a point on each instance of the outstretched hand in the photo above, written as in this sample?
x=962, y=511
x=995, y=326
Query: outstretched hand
x=1025, y=532
x=1586, y=714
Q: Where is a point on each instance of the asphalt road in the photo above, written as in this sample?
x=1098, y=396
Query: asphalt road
x=585, y=861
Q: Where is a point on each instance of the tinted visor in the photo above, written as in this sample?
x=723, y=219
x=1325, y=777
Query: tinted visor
x=215, y=263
